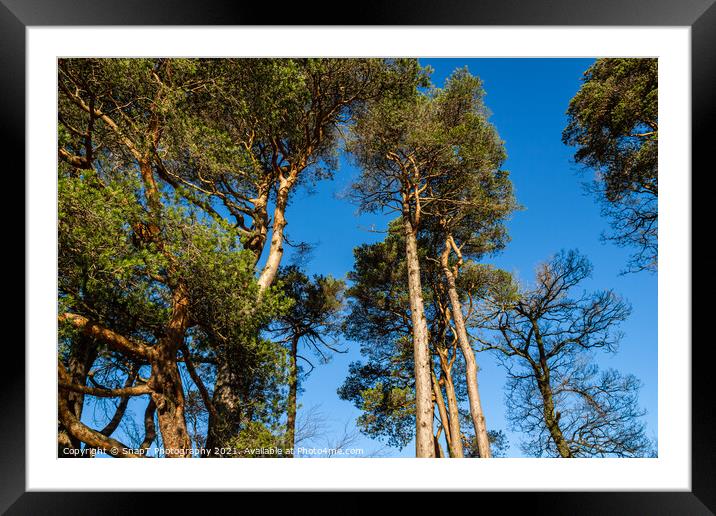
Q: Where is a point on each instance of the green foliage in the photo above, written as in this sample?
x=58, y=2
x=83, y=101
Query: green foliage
x=220, y=277
x=499, y=444
x=168, y=169
x=617, y=102
x=389, y=412
x=386, y=398
x=102, y=271
x=132, y=87
x=439, y=142
x=379, y=319
x=255, y=441
x=249, y=123
x=613, y=123
x=102, y=259
x=378, y=297
x=316, y=303
x=478, y=281
x=473, y=197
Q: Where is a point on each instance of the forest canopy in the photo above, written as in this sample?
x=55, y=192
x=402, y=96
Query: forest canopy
x=185, y=330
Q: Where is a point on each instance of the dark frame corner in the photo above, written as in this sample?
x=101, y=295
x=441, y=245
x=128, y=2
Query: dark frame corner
x=700, y=15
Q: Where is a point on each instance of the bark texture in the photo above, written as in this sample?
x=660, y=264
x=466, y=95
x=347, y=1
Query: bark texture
x=551, y=419
x=424, y=445
x=268, y=274
x=473, y=393
x=166, y=384
x=228, y=409
x=442, y=410
x=453, y=414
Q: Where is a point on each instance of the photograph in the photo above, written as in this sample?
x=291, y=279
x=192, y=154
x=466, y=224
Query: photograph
x=350, y=246
x=357, y=257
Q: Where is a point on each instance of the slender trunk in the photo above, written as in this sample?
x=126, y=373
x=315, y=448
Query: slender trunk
x=292, y=394
x=166, y=382
x=424, y=446
x=442, y=410
x=456, y=441
x=542, y=375
x=551, y=420
x=268, y=274
x=473, y=393
x=438, y=450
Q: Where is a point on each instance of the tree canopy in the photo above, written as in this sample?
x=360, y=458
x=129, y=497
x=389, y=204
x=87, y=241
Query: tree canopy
x=181, y=327
x=556, y=394
x=613, y=121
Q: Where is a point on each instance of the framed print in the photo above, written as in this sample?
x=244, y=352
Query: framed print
x=351, y=251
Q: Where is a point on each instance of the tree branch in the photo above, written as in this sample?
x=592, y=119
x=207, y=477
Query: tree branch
x=135, y=390
x=115, y=340
x=199, y=383
x=83, y=433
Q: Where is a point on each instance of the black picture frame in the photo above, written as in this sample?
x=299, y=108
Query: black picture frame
x=700, y=15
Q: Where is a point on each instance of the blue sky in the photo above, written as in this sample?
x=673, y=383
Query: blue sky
x=528, y=99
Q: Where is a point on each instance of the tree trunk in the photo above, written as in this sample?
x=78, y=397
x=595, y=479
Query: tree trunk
x=455, y=434
x=169, y=399
x=257, y=240
x=292, y=395
x=442, y=410
x=550, y=419
x=542, y=375
x=228, y=408
x=473, y=393
x=424, y=446
x=80, y=361
x=226, y=400
x=268, y=274
x=166, y=382
x=438, y=450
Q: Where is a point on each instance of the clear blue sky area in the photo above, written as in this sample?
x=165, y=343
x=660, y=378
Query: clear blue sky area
x=528, y=99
